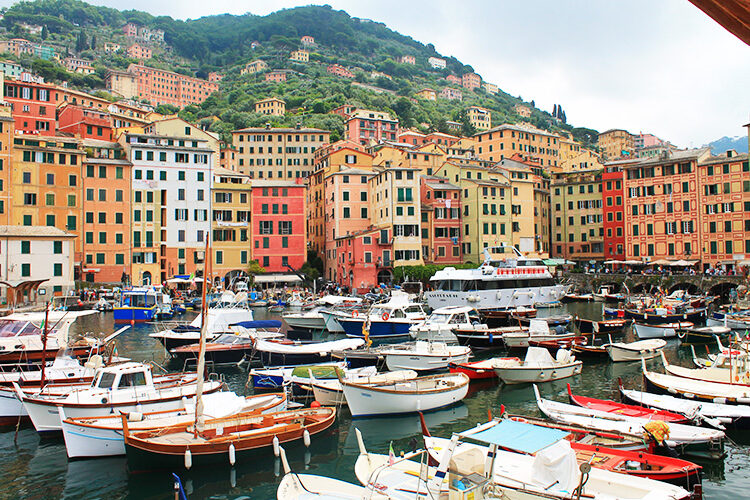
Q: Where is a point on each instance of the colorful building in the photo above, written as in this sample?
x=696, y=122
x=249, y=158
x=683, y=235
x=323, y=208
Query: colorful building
x=523, y=110
x=427, y=94
x=159, y=86
x=471, y=81
x=455, y=80
x=407, y=60
x=215, y=76
x=441, y=221
x=85, y=123
x=112, y=48
x=578, y=227
x=451, y=94
x=230, y=223
x=271, y=106
x=137, y=51
x=574, y=157
x=523, y=206
x=307, y=41
x=506, y=140
x=300, y=55
x=436, y=62
x=490, y=88
x=616, y=143
x=366, y=126
x=338, y=70
x=33, y=106
x=7, y=134
x=254, y=67
x=278, y=224
x=480, y=118
x=613, y=209
x=276, y=76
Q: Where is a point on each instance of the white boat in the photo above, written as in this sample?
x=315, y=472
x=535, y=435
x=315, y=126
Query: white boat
x=385, y=320
x=503, y=283
x=278, y=377
x=734, y=372
x=687, y=439
x=660, y=331
x=218, y=321
x=328, y=392
x=537, y=331
x=633, y=351
x=305, y=320
x=424, y=356
x=331, y=317
x=696, y=390
x=120, y=388
x=738, y=321
x=286, y=352
x=21, y=333
x=102, y=436
x=440, y=324
x=63, y=368
x=409, y=396
x=537, y=366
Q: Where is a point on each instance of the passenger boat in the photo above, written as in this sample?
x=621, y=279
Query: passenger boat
x=137, y=305
x=587, y=326
x=700, y=335
x=424, y=356
x=626, y=409
x=537, y=366
x=502, y=284
x=506, y=433
x=538, y=330
x=124, y=387
x=102, y=436
x=440, y=324
x=475, y=370
x=659, y=331
x=391, y=319
x=696, y=390
x=220, y=439
x=660, y=315
x=634, y=351
x=410, y=396
x=329, y=392
x=685, y=439
x=482, y=337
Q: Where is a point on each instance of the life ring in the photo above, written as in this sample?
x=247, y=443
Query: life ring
x=385, y=316
x=355, y=313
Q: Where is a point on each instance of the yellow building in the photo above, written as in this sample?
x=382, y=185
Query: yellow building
x=523, y=110
x=574, y=157
x=300, y=55
x=505, y=140
x=271, y=106
x=616, y=143
x=427, y=94
x=521, y=179
x=490, y=88
x=428, y=158
x=254, y=67
x=230, y=196
x=480, y=118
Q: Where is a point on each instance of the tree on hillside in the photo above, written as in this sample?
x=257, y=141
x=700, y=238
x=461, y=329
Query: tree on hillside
x=45, y=32
x=81, y=43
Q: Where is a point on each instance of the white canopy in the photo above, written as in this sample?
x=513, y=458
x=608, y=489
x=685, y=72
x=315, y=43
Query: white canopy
x=277, y=278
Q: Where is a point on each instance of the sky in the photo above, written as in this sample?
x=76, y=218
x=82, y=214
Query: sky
x=660, y=67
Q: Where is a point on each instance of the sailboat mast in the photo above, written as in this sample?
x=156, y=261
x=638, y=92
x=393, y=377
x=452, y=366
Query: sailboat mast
x=202, y=350
x=45, y=334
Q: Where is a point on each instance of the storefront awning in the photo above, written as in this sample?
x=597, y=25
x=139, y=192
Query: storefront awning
x=277, y=278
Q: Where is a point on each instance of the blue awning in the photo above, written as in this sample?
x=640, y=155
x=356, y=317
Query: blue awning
x=518, y=436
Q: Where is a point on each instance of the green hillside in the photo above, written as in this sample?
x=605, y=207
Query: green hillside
x=223, y=43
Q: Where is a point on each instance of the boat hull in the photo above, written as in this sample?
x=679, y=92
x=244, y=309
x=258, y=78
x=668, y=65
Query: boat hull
x=422, y=362
x=654, y=331
x=525, y=375
x=331, y=321
x=305, y=322
x=480, y=339
x=473, y=372
x=378, y=329
x=11, y=408
x=622, y=354
x=653, y=318
x=134, y=314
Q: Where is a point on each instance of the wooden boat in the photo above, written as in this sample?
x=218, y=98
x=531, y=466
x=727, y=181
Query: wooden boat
x=220, y=439
x=475, y=370
x=555, y=345
x=482, y=337
x=537, y=366
x=278, y=377
x=102, y=436
x=626, y=409
x=501, y=317
x=606, y=294
x=633, y=351
x=587, y=326
x=287, y=352
x=424, y=356
x=700, y=335
x=590, y=350
x=583, y=435
x=738, y=321
x=696, y=390
x=538, y=330
x=578, y=297
x=393, y=398
x=328, y=392
x=734, y=373
x=506, y=432
x=685, y=439
x=659, y=331
x=662, y=315
x=715, y=414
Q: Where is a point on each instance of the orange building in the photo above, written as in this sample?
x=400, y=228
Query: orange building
x=506, y=140
x=471, y=81
x=338, y=70
x=106, y=200
x=276, y=76
x=33, y=106
x=165, y=87
x=137, y=51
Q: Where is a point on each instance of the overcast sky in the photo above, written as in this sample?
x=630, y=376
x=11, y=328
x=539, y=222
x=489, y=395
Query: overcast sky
x=661, y=67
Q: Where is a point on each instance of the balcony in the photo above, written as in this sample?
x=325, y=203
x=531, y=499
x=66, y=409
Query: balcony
x=384, y=264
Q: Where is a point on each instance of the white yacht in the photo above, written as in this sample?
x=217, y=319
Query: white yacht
x=503, y=283
x=440, y=324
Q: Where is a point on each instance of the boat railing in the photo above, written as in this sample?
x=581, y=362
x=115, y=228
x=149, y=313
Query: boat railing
x=423, y=475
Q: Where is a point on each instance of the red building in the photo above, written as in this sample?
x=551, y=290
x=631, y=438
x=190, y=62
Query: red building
x=360, y=258
x=278, y=224
x=33, y=106
x=365, y=126
x=613, y=203
x=441, y=221
x=85, y=122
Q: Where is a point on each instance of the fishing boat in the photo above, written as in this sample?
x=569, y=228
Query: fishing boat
x=137, y=305
x=390, y=319
x=220, y=439
x=440, y=324
x=280, y=352
x=701, y=335
x=738, y=321
x=659, y=331
x=409, y=396
x=555, y=345
x=102, y=436
x=685, y=439
x=560, y=320
x=578, y=297
x=537, y=366
x=527, y=439
x=505, y=280
x=716, y=415
x=123, y=387
x=218, y=320
x=475, y=370
x=696, y=390
x=538, y=330
x=423, y=355
x=587, y=326
x=226, y=348
x=482, y=337
x=625, y=409
x=503, y=317
x=329, y=392
x=735, y=372
x=634, y=351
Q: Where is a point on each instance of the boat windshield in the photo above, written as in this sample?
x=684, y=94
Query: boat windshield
x=106, y=380
x=414, y=309
x=438, y=318
x=132, y=380
x=139, y=300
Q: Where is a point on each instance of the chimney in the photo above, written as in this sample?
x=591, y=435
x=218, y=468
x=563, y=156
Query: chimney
x=731, y=153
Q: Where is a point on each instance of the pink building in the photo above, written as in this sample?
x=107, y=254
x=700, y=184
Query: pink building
x=407, y=60
x=130, y=29
x=441, y=221
x=307, y=40
x=471, y=81
x=365, y=126
x=453, y=79
x=338, y=70
x=344, y=111
x=451, y=94
x=362, y=260
x=276, y=76
x=641, y=141
x=215, y=77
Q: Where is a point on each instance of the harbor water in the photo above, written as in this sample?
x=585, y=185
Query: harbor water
x=38, y=468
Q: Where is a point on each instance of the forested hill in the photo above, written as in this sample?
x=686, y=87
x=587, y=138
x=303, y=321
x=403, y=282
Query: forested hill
x=223, y=43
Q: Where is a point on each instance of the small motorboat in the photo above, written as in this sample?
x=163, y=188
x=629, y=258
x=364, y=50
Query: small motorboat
x=626, y=409
x=390, y=319
x=424, y=356
x=440, y=324
x=502, y=317
x=606, y=293
x=475, y=370
x=218, y=320
x=306, y=320
x=328, y=392
x=703, y=335
x=634, y=351
x=738, y=321
x=660, y=315
x=661, y=330
x=137, y=305
x=280, y=352
x=578, y=297
x=587, y=326
x=408, y=396
x=279, y=377
x=590, y=350
x=537, y=366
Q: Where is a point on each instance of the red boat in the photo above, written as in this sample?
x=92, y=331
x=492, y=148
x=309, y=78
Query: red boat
x=625, y=409
x=475, y=370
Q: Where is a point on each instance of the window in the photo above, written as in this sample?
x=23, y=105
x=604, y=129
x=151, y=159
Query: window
x=57, y=247
x=25, y=270
x=25, y=247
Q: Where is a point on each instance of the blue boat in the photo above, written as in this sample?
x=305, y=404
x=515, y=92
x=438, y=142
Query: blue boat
x=137, y=305
x=388, y=320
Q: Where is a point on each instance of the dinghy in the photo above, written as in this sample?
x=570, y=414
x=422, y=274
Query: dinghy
x=424, y=356
x=328, y=392
x=626, y=409
x=537, y=366
x=660, y=331
x=633, y=351
x=538, y=330
x=288, y=352
x=701, y=335
x=482, y=337
x=410, y=396
x=475, y=370
x=440, y=324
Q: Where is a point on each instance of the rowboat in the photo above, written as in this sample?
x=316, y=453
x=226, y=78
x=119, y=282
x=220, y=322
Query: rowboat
x=328, y=392
x=475, y=370
x=702, y=334
x=418, y=394
x=102, y=436
x=685, y=439
x=715, y=414
x=287, y=352
x=660, y=331
x=537, y=366
x=736, y=372
x=696, y=390
x=633, y=351
x=424, y=356
x=482, y=337
x=578, y=297
x=277, y=377
x=625, y=409
x=516, y=436
x=220, y=439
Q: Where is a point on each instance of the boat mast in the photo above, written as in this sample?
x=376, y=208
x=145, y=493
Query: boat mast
x=45, y=334
x=202, y=350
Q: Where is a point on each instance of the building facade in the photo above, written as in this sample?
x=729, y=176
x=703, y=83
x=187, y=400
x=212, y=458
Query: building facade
x=506, y=140
x=271, y=106
x=278, y=224
x=366, y=126
x=578, y=227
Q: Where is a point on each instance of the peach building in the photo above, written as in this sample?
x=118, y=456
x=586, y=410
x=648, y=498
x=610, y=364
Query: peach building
x=160, y=87
x=215, y=76
x=471, y=81
x=407, y=60
x=451, y=94
x=338, y=70
x=137, y=51
x=616, y=143
x=254, y=67
x=490, y=88
x=427, y=94
x=453, y=79
x=300, y=55
x=505, y=140
x=276, y=76
x=480, y=118
x=270, y=106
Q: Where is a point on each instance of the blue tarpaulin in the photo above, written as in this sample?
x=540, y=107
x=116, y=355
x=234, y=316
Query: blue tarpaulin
x=264, y=323
x=518, y=436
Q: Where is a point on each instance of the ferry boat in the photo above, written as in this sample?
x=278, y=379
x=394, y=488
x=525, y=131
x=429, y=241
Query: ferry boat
x=504, y=283
x=137, y=305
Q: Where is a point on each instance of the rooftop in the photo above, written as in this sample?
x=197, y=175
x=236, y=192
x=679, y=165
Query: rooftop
x=281, y=129
x=34, y=231
x=672, y=156
x=518, y=128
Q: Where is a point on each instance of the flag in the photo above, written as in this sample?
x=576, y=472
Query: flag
x=391, y=455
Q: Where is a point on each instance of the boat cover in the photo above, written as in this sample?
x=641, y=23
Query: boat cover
x=538, y=356
x=556, y=465
x=519, y=436
x=261, y=323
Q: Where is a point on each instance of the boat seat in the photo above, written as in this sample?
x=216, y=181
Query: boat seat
x=468, y=462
